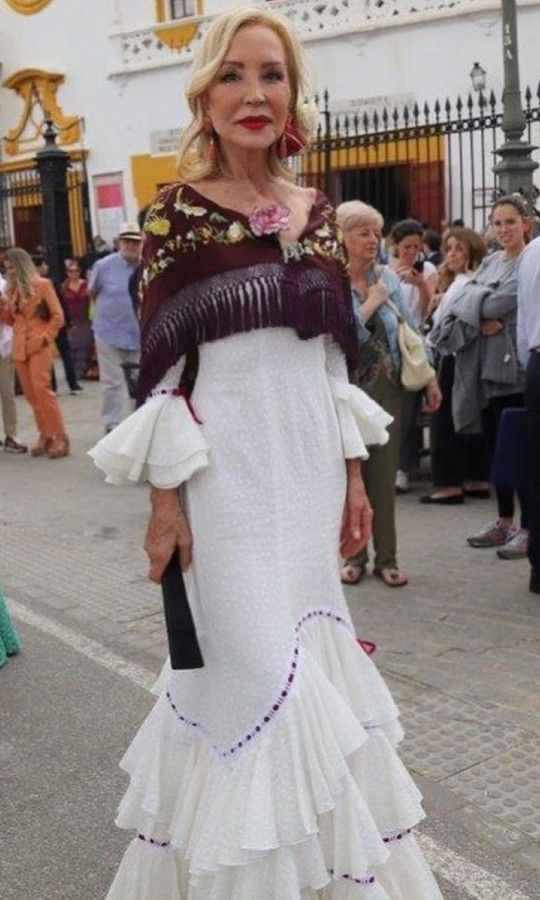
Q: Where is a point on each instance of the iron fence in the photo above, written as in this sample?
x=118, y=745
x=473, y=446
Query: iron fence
x=21, y=208
x=431, y=161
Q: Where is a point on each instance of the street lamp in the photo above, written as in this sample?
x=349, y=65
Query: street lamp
x=478, y=78
x=516, y=166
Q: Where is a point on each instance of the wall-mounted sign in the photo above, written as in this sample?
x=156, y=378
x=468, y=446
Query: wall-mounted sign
x=109, y=203
x=165, y=141
x=361, y=105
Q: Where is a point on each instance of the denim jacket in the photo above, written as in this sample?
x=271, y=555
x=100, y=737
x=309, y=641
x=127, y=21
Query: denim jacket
x=387, y=315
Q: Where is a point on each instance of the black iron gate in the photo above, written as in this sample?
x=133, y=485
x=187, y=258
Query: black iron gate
x=433, y=162
x=21, y=209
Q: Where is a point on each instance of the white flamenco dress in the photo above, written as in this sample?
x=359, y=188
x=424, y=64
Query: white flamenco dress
x=271, y=773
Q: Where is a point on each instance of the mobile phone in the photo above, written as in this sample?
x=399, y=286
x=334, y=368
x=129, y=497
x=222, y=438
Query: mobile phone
x=418, y=266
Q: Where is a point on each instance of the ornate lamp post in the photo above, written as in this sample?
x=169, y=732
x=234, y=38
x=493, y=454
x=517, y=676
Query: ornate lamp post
x=52, y=164
x=516, y=166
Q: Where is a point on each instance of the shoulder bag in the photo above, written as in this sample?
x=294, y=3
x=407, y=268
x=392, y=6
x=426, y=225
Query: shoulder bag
x=416, y=370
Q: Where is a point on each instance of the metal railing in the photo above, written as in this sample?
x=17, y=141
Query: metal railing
x=431, y=161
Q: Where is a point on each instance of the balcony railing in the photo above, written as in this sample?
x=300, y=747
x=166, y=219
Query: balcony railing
x=142, y=48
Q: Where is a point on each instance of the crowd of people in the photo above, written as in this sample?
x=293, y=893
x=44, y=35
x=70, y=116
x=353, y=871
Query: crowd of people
x=274, y=427
x=461, y=292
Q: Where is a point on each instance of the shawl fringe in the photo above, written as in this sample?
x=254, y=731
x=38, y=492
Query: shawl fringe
x=268, y=295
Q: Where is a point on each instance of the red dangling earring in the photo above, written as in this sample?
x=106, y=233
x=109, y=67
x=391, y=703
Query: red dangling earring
x=209, y=131
x=291, y=141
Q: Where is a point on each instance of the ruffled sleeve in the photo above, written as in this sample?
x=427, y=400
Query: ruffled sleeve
x=362, y=422
x=161, y=442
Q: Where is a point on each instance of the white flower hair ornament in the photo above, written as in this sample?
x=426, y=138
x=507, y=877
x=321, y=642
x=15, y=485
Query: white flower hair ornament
x=300, y=129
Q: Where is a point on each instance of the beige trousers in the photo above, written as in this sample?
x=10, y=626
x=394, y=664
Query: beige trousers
x=7, y=396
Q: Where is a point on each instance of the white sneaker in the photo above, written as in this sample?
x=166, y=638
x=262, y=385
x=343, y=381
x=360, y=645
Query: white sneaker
x=517, y=546
x=402, y=482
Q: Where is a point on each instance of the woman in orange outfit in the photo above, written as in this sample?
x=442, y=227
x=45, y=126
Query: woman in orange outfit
x=33, y=309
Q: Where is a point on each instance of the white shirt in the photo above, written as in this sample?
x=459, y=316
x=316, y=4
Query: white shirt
x=6, y=332
x=411, y=294
x=528, y=321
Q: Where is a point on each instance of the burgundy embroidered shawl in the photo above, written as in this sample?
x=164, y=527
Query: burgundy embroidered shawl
x=206, y=276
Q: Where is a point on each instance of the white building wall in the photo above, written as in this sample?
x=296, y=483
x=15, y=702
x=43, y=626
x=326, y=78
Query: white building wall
x=426, y=59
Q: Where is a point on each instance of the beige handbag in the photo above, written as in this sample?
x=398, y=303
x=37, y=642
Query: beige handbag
x=416, y=370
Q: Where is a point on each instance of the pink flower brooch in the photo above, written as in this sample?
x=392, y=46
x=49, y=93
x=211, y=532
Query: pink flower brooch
x=269, y=219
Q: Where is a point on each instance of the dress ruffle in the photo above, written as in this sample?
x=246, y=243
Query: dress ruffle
x=317, y=807
x=160, y=442
x=362, y=422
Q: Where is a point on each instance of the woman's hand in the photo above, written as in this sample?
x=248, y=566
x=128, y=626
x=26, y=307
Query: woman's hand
x=357, y=513
x=377, y=294
x=168, y=531
x=490, y=327
x=409, y=275
x=434, y=303
x=433, y=397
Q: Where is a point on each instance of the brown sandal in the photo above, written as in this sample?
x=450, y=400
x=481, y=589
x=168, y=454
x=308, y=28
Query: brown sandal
x=391, y=576
x=351, y=573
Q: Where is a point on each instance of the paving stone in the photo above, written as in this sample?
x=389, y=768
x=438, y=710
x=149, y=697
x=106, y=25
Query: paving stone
x=445, y=736
x=506, y=786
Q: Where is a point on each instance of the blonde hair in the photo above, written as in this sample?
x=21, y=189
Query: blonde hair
x=194, y=158
x=474, y=246
x=21, y=280
x=354, y=212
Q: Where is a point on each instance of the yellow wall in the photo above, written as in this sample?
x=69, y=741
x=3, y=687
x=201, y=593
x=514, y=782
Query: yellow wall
x=386, y=153
x=149, y=172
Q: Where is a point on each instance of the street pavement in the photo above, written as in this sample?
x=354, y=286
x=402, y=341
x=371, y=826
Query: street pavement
x=459, y=647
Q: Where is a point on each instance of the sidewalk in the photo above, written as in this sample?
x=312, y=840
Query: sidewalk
x=460, y=646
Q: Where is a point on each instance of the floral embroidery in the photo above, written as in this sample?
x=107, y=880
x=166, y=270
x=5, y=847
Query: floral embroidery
x=269, y=219
x=235, y=232
x=189, y=209
x=154, y=223
x=207, y=226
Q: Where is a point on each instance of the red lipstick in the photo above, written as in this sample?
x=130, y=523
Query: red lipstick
x=254, y=123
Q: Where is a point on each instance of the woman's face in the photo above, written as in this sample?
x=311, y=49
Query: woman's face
x=363, y=241
x=408, y=249
x=509, y=228
x=250, y=99
x=456, y=256
x=73, y=271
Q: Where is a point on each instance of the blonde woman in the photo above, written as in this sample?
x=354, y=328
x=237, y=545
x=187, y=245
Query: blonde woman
x=32, y=308
x=253, y=769
x=459, y=462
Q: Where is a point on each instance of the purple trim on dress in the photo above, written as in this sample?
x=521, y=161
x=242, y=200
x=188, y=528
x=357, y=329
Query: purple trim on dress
x=366, y=880
x=396, y=836
x=153, y=842
x=282, y=696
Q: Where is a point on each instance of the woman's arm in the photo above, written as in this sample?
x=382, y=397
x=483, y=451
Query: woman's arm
x=377, y=295
x=357, y=513
x=48, y=294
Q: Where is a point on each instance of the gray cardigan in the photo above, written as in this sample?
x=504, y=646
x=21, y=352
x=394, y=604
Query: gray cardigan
x=485, y=366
